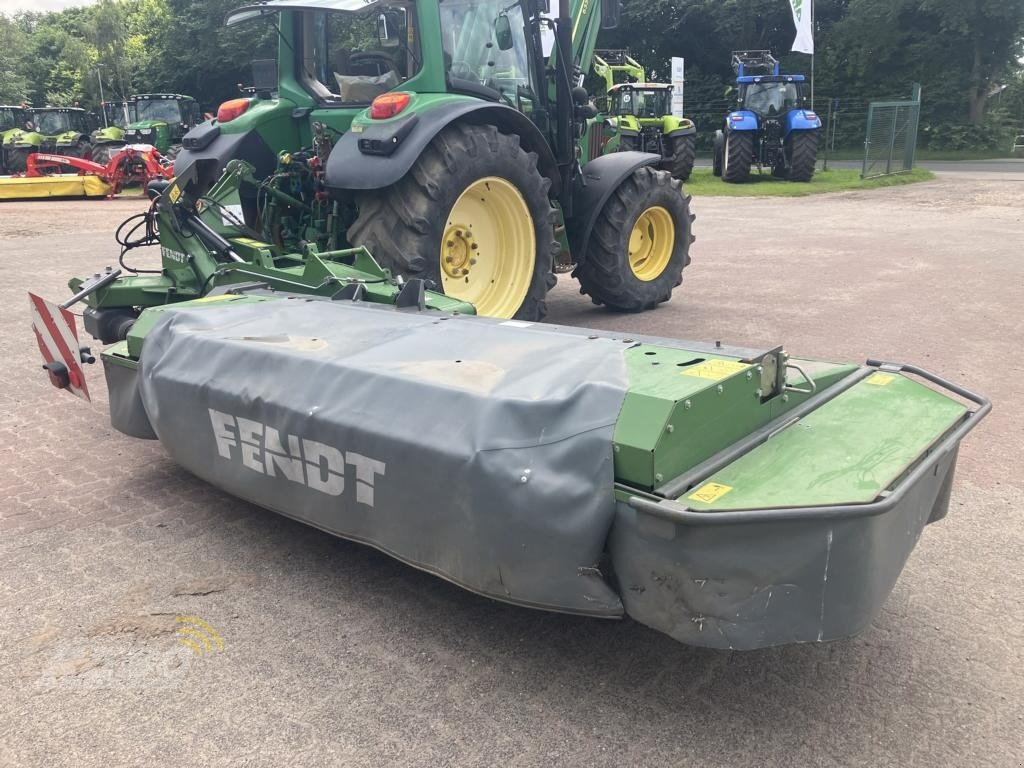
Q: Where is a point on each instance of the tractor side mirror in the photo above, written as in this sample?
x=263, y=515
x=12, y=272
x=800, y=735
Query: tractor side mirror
x=611, y=13
x=503, y=32
x=387, y=32
x=264, y=77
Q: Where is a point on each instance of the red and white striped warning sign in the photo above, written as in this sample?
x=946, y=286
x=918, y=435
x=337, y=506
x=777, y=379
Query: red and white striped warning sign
x=58, y=342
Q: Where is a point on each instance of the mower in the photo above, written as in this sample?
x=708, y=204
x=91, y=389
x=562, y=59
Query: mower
x=638, y=116
x=44, y=175
x=158, y=119
x=54, y=130
x=773, y=127
x=729, y=497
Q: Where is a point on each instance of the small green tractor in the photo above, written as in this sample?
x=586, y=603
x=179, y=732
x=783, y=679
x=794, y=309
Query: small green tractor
x=55, y=130
x=110, y=138
x=444, y=137
x=12, y=118
x=158, y=119
x=637, y=115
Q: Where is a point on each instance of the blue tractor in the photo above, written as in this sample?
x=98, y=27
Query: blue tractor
x=774, y=125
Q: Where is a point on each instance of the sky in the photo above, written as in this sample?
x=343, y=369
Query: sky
x=13, y=6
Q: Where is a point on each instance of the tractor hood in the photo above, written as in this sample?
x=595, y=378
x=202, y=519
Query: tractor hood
x=145, y=125
x=18, y=137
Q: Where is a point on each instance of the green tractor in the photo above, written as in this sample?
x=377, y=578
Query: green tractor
x=56, y=130
x=109, y=139
x=638, y=116
x=455, y=128
x=12, y=118
x=158, y=119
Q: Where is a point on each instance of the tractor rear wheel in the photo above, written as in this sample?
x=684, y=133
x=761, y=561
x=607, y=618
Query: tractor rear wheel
x=472, y=216
x=737, y=156
x=802, y=155
x=17, y=159
x=103, y=153
x=80, y=148
x=640, y=243
x=684, y=151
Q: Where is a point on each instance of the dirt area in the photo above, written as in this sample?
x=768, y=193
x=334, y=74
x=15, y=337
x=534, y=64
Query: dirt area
x=314, y=651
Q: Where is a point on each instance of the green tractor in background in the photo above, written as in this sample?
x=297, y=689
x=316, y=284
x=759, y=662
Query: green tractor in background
x=110, y=138
x=158, y=119
x=12, y=118
x=638, y=116
x=55, y=130
x=444, y=137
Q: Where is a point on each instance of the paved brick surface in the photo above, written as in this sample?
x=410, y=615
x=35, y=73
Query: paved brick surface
x=336, y=655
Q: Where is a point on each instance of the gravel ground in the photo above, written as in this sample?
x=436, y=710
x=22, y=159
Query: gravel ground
x=333, y=654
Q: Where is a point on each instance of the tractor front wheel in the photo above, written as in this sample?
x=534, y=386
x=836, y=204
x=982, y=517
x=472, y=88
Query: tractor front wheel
x=17, y=159
x=104, y=153
x=719, y=151
x=684, y=152
x=738, y=155
x=473, y=217
x=802, y=155
x=640, y=243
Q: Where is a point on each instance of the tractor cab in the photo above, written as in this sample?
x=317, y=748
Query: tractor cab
x=645, y=101
x=53, y=122
x=12, y=118
x=115, y=114
x=160, y=119
x=771, y=96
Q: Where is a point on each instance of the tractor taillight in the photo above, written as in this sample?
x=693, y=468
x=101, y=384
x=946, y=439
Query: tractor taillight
x=229, y=110
x=810, y=116
x=735, y=118
x=388, y=105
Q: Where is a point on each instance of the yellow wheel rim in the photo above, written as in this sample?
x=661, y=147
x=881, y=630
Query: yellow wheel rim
x=651, y=243
x=488, y=250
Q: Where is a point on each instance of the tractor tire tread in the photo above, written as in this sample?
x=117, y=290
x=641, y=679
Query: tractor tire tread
x=605, y=274
x=684, y=153
x=395, y=224
x=738, y=156
x=803, y=155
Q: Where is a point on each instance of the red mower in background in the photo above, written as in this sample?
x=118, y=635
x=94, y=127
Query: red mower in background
x=45, y=177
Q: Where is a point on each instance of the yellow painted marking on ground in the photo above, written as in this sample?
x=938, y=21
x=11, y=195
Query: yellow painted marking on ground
x=879, y=379
x=716, y=369
x=709, y=493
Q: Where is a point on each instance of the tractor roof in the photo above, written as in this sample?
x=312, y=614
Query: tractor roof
x=56, y=109
x=641, y=87
x=13, y=106
x=771, y=79
x=255, y=10
x=155, y=96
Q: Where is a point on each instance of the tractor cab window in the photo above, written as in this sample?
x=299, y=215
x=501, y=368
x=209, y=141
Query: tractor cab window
x=116, y=113
x=354, y=56
x=10, y=118
x=52, y=123
x=773, y=97
x=642, y=103
x=485, y=44
x=161, y=110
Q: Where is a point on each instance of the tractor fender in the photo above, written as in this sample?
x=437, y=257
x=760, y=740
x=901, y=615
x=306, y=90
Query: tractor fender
x=741, y=120
x=692, y=129
x=70, y=139
x=594, y=186
x=801, y=120
x=383, y=151
x=247, y=145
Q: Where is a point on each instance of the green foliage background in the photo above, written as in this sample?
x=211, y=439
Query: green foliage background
x=961, y=51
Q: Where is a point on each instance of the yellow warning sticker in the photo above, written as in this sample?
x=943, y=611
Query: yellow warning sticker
x=174, y=192
x=250, y=242
x=879, y=379
x=709, y=493
x=219, y=297
x=716, y=370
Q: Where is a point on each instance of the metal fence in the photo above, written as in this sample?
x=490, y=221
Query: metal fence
x=891, y=137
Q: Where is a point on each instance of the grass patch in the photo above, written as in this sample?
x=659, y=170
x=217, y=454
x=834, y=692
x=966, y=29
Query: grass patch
x=702, y=182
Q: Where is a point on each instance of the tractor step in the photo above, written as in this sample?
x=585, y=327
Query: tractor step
x=728, y=497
